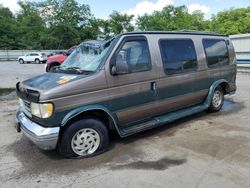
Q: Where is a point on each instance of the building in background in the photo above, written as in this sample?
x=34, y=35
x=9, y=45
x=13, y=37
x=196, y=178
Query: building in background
x=241, y=44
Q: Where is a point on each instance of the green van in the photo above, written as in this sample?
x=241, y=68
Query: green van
x=130, y=83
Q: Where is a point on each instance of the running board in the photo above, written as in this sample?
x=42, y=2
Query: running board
x=162, y=120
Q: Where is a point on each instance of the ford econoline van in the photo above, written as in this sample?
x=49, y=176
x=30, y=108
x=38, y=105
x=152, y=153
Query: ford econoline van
x=131, y=83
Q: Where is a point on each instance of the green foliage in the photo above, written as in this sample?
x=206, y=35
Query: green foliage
x=117, y=23
x=8, y=30
x=30, y=25
x=65, y=19
x=233, y=21
x=172, y=18
x=120, y=23
x=60, y=24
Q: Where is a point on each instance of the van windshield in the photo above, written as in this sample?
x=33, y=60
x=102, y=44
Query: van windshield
x=86, y=58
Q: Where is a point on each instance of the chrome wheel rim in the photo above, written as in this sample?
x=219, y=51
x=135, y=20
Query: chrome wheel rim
x=217, y=99
x=85, y=142
x=37, y=61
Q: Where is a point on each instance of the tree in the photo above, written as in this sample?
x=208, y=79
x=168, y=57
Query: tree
x=30, y=25
x=66, y=19
x=233, y=21
x=8, y=31
x=60, y=24
x=171, y=18
x=105, y=30
x=120, y=23
x=92, y=30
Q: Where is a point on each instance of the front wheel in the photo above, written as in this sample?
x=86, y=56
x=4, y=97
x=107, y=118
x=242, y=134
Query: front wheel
x=37, y=61
x=21, y=61
x=84, y=138
x=52, y=66
x=217, y=100
x=47, y=68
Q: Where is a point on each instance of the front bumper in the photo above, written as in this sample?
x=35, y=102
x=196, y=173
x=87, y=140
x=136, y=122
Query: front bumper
x=44, y=138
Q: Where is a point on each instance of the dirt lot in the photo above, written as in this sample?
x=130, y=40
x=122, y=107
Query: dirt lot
x=204, y=150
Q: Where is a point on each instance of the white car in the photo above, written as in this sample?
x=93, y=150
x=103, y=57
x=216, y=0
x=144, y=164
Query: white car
x=36, y=57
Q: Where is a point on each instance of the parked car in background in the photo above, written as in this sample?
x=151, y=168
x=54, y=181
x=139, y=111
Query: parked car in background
x=36, y=57
x=55, y=53
x=56, y=60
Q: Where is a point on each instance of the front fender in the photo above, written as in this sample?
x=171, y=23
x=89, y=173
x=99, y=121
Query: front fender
x=77, y=111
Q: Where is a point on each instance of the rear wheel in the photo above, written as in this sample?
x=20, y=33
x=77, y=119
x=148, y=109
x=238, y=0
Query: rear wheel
x=217, y=100
x=84, y=138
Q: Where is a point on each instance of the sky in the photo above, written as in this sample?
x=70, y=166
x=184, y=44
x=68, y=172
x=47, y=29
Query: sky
x=102, y=8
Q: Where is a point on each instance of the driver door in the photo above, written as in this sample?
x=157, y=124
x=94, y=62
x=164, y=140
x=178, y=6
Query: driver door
x=27, y=57
x=132, y=89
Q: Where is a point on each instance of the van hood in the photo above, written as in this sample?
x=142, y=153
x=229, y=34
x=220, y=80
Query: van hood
x=50, y=86
x=50, y=80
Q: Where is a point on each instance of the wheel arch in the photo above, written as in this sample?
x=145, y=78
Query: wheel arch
x=99, y=112
x=53, y=63
x=225, y=86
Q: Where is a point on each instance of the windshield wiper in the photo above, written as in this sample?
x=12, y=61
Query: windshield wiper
x=78, y=70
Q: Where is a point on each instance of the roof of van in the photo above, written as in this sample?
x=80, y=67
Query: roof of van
x=187, y=32
x=93, y=43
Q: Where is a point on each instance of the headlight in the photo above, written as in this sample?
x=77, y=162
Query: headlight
x=42, y=110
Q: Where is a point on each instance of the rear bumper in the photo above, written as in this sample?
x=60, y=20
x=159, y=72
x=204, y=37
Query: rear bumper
x=232, y=89
x=44, y=138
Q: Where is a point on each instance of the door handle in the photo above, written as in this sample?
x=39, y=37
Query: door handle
x=153, y=87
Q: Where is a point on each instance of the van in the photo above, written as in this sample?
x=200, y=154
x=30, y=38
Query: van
x=133, y=82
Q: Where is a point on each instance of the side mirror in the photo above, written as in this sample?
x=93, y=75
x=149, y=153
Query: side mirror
x=119, y=65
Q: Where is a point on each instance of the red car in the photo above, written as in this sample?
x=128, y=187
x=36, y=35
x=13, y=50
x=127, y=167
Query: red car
x=56, y=60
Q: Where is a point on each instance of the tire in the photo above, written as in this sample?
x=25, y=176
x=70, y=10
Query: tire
x=53, y=67
x=84, y=138
x=37, y=61
x=217, y=100
x=47, y=68
x=21, y=61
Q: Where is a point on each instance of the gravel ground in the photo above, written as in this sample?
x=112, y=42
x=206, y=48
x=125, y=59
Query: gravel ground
x=203, y=150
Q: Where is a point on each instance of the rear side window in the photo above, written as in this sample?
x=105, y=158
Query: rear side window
x=33, y=54
x=216, y=52
x=178, y=55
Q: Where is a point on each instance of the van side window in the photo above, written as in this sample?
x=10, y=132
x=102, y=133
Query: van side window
x=178, y=55
x=216, y=52
x=135, y=54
